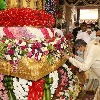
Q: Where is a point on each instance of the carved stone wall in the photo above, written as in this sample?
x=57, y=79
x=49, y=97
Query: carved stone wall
x=12, y=3
x=83, y=2
x=34, y=4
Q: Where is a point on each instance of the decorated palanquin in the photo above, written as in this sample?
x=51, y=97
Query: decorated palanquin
x=28, y=44
x=30, y=58
x=33, y=55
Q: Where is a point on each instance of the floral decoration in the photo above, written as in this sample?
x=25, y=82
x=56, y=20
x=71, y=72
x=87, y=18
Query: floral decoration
x=27, y=32
x=21, y=88
x=3, y=91
x=69, y=86
x=13, y=49
x=18, y=42
x=26, y=16
x=36, y=90
x=54, y=85
x=61, y=84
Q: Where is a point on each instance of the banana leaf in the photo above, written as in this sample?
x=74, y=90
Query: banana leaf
x=2, y=4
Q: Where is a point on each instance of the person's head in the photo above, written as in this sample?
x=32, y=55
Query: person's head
x=83, y=27
x=80, y=45
x=89, y=27
x=76, y=24
x=96, y=24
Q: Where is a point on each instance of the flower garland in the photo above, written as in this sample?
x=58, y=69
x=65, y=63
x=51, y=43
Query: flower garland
x=13, y=49
x=28, y=90
x=69, y=87
x=17, y=32
x=54, y=85
x=27, y=32
x=3, y=91
x=21, y=88
x=62, y=83
x=26, y=16
x=36, y=91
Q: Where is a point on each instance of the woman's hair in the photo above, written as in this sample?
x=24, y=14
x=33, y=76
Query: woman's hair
x=79, y=42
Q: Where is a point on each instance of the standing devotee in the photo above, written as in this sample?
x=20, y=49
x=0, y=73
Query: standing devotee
x=76, y=29
x=82, y=34
x=91, y=33
x=87, y=34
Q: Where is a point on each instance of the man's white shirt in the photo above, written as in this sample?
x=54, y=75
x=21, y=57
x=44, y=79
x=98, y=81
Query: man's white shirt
x=85, y=36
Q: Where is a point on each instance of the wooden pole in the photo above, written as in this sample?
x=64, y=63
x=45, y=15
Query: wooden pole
x=99, y=16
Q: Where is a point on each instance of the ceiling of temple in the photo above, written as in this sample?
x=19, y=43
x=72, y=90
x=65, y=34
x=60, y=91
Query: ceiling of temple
x=83, y=2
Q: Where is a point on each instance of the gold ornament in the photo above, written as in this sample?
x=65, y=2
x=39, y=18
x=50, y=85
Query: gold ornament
x=14, y=3
x=28, y=3
x=39, y=4
x=5, y=67
x=29, y=68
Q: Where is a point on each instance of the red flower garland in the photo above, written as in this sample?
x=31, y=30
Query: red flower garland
x=36, y=91
x=8, y=34
x=26, y=16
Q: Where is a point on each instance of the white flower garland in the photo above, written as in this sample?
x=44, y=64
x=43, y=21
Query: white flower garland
x=21, y=88
x=54, y=85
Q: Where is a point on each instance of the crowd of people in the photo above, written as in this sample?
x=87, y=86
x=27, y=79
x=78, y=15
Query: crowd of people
x=85, y=31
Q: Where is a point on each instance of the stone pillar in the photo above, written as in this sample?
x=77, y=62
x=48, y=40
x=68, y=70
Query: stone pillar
x=78, y=15
x=99, y=16
x=68, y=17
